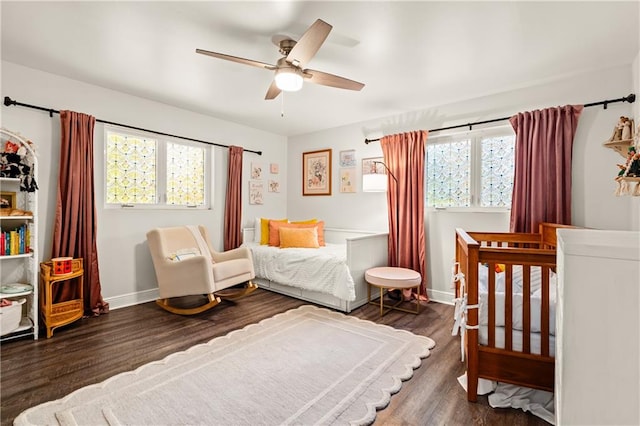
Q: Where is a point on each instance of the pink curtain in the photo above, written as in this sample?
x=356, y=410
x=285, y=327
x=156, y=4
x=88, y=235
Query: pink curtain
x=404, y=156
x=233, y=202
x=75, y=227
x=542, y=182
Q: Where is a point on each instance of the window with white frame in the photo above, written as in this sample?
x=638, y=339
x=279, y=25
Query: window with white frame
x=147, y=171
x=471, y=170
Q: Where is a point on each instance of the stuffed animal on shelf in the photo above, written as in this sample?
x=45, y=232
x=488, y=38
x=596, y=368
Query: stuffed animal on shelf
x=628, y=166
x=634, y=167
x=630, y=169
x=16, y=162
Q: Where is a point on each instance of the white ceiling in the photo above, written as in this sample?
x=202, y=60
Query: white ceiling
x=410, y=55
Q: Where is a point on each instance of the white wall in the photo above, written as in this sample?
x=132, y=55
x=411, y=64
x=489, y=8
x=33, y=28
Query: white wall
x=594, y=167
x=126, y=270
x=635, y=203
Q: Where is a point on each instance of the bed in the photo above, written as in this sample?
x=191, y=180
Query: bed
x=505, y=306
x=331, y=276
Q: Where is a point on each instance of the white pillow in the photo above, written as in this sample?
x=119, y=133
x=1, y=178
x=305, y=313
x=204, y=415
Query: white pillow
x=257, y=230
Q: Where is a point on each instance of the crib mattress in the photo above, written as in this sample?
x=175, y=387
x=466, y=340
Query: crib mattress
x=517, y=298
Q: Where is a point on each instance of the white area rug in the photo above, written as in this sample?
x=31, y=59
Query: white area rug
x=306, y=366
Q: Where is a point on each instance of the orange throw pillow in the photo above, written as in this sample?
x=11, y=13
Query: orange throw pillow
x=298, y=237
x=274, y=231
x=264, y=229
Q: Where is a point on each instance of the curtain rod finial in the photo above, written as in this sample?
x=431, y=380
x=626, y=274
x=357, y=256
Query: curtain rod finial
x=631, y=98
x=8, y=101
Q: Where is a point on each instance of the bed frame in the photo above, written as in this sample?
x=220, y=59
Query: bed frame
x=521, y=368
x=364, y=250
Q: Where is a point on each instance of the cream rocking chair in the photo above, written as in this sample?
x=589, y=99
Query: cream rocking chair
x=186, y=264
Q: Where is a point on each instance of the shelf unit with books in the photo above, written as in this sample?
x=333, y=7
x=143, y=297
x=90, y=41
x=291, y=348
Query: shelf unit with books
x=19, y=268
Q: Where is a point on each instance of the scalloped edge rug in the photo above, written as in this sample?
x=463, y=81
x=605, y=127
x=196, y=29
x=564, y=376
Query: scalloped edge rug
x=305, y=366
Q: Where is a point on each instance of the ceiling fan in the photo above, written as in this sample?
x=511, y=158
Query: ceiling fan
x=289, y=70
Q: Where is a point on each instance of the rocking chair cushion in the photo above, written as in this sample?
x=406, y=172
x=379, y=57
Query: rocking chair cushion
x=231, y=269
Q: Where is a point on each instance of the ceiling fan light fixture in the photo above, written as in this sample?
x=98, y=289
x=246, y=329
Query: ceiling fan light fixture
x=288, y=79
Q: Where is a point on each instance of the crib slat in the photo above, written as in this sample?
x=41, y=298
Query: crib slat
x=508, y=310
x=544, y=314
x=492, y=305
x=526, y=309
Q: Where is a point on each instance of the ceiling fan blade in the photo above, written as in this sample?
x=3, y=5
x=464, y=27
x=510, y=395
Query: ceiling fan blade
x=326, y=79
x=273, y=91
x=237, y=59
x=309, y=43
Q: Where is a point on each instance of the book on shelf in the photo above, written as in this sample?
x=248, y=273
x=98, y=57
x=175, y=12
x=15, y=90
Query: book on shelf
x=15, y=241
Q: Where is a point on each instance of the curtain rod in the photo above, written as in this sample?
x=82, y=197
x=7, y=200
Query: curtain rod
x=8, y=102
x=631, y=99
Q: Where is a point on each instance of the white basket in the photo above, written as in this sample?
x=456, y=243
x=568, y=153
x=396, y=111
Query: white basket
x=10, y=316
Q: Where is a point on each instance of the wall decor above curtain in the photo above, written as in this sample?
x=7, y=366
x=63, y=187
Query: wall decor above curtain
x=316, y=172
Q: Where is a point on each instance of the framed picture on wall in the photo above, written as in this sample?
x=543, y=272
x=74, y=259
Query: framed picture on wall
x=256, y=192
x=348, y=158
x=256, y=170
x=274, y=185
x=316, y=172
x=348, y=179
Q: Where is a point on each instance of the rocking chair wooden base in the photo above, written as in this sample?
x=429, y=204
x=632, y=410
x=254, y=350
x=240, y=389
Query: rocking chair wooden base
x=164, y=304
x=214, y=299
x=236, y=293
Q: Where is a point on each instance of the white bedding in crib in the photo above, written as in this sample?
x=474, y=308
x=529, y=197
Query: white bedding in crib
x=321, y=269
x=516, y=340
x=517, y=303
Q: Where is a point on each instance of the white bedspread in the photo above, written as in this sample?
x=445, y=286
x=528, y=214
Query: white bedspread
x=321, y=269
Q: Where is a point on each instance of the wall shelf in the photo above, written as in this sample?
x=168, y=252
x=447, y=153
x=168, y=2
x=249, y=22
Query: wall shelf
x=621, y=147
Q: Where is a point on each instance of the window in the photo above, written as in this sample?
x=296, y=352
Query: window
x=470, y=171
x=144, y=171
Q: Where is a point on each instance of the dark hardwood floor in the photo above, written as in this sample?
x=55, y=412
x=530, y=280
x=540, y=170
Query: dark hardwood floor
x=92, y=350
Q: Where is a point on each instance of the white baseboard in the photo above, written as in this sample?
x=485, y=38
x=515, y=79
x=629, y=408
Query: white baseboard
x=131, y=299
x=145, y=296
x=441, y=296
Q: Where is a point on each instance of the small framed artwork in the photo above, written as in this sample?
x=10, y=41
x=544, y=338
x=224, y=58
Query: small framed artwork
x=316, y=172
x=8, y=200
x=348, y=179
x=274, y=185
x=256, y=192
x=274, y=168
x=256, y=171
x=348, y=158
